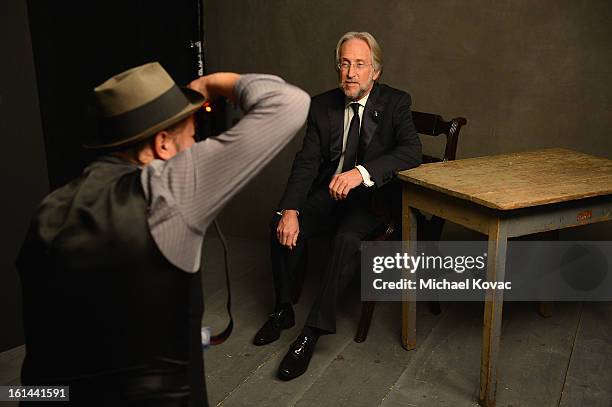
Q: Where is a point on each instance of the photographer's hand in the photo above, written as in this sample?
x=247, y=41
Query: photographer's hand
x=216, y=84
x=288, y=229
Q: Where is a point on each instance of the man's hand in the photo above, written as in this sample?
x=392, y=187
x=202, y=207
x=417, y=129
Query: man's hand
x=342, y=183
x=288, y=229
x=216, y=84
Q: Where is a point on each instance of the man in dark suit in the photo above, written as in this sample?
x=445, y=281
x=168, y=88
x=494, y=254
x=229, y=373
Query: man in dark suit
x=358, y=137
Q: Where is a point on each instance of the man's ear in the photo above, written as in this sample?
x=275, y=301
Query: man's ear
x=376, y=75
x=163, y=146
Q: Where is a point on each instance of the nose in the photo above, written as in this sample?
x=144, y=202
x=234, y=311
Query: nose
x=351, y=71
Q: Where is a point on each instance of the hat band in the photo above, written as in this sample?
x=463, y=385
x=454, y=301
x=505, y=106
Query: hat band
x=133, y=122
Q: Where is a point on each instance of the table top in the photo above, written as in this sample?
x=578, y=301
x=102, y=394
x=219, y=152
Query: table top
x=518, y=180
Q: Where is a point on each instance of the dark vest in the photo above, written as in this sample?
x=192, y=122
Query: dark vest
x=104, y=311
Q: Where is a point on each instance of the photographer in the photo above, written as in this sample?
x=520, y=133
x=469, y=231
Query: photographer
x=110, y=266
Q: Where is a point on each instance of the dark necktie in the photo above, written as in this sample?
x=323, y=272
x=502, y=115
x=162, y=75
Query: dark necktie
x=352, y=141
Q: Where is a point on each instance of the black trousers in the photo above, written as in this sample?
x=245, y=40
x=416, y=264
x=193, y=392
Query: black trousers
x=349, y=222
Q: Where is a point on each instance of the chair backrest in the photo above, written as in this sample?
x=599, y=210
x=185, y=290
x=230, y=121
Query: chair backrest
x=434, y=125
x=428, y=124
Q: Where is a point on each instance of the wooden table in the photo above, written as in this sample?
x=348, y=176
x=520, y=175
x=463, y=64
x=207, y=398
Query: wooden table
x=503, y=196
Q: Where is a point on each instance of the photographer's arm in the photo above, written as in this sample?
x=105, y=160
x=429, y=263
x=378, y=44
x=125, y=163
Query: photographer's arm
x=199, y=181
x=217, y=84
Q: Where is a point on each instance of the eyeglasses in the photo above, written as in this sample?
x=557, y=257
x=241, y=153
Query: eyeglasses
x=359, y=66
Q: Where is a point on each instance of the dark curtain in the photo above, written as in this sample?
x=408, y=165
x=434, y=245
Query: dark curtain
x=79, y=45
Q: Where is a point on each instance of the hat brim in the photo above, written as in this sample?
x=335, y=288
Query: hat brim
x=196, y=100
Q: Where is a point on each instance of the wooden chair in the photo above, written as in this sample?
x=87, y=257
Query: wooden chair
x=427, y=124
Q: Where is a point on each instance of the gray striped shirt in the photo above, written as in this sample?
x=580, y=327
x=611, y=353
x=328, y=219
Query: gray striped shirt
x=185, y=193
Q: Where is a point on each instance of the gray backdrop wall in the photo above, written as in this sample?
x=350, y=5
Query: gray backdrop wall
x=526, y=74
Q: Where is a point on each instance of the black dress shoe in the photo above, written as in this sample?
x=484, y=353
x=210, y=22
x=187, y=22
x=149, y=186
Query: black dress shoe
x=296, y=361
x=277, y=321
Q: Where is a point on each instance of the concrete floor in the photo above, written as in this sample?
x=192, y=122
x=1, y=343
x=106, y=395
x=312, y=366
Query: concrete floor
x=565, y=360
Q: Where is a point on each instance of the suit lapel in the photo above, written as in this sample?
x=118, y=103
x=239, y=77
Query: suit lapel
x=336, y=126
x=372, y=115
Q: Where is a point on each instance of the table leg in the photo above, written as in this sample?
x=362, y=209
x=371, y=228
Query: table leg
x=545, y=308
x=409, y=238
x=494, y=300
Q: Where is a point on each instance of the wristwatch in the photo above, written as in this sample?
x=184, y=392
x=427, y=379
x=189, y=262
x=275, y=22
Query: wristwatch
x=282, y=212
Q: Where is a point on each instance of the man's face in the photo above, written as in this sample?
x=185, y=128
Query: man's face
x=357, y=79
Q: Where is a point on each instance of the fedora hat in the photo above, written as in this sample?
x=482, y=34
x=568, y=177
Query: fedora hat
x=138, y=103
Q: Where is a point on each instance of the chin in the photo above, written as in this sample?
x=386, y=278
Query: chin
x=350, y=94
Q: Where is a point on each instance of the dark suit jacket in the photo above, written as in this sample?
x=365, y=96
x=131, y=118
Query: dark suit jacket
x=387, y=130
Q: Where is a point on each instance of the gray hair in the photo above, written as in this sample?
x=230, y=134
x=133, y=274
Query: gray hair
x=377, y=55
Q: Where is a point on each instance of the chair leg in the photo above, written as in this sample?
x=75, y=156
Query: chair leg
x=434, y=307
x=367, y=309
x=545, y=309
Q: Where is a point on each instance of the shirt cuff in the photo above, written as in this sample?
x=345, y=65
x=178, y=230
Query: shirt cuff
x=367, y=181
